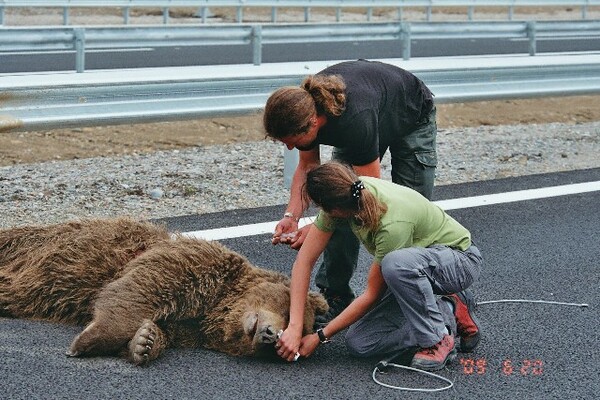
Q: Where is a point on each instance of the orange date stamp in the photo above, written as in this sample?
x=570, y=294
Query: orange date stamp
x=508, y=367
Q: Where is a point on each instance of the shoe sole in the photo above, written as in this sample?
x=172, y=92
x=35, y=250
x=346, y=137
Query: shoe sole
x=472, y=343
x=434, y=367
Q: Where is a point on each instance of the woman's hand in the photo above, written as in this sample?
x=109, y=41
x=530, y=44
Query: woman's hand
x=309, y=344
x=288, y=344
x=293, y=237
x=298, y=239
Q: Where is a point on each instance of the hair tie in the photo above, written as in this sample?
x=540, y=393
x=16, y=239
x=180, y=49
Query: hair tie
x=356, y=188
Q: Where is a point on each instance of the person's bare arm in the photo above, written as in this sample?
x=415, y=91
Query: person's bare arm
x=314, y=245
x=371, y=169
x=376, y=287
x=308, y=160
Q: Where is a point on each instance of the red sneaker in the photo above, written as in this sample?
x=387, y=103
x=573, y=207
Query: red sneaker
x=435, y=357
x=466, y=322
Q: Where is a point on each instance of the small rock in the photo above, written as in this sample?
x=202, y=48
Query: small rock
x=156, y=193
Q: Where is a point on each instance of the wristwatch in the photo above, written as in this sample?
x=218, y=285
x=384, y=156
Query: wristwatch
x=322, y=338
x=290, y=215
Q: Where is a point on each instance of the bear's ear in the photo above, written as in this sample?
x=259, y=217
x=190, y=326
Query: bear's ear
x=318, y=303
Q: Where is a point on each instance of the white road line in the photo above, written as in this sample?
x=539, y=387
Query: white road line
x=453, y=204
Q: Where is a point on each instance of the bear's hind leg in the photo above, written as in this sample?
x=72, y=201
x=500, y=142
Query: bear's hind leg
x=90, y=342
x=147, y=344
x=98, y=339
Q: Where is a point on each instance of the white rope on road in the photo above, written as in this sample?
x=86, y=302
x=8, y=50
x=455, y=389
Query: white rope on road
x=420, y=371
x=560, y=303
x=386, y=364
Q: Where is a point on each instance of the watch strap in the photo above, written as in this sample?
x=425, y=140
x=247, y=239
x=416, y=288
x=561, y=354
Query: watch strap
x=322, y=338
x=290, y=215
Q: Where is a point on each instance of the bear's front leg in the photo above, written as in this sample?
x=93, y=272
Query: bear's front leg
x=147, y=344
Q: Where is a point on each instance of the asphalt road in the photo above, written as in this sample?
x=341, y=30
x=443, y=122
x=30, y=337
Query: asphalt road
x=218, y=55
x=544, y=249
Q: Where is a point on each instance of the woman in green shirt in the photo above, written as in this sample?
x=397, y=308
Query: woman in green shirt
x=420, y=253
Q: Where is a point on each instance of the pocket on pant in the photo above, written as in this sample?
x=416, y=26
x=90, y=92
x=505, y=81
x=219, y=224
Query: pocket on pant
x=427, y=158
x=416, y=171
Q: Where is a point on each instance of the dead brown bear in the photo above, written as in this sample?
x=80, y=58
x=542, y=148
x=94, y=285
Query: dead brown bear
x=140, y=290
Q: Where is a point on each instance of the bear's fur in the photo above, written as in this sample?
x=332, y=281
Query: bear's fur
x=140, y=290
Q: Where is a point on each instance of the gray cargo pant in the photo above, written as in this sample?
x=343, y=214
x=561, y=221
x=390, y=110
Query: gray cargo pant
x=413, y=165
x=411, y=313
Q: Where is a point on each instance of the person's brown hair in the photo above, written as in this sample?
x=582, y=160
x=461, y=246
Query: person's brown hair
x=289, y=109
x=335, y=186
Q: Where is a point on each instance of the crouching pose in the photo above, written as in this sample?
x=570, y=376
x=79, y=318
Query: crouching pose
x=415, y=296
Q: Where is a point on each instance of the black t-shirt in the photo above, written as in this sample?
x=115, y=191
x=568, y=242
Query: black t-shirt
x=382, y=102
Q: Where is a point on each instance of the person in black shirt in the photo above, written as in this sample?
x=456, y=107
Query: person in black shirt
x=361, y=108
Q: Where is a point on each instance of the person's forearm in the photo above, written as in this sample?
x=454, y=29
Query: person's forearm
x=305, y=260
x=296, y=205
x=298, y=293
x=359, y=307
x=371, y=169
x=308, y=160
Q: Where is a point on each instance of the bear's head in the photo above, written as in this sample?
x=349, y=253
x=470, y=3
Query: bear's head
x=250, y=325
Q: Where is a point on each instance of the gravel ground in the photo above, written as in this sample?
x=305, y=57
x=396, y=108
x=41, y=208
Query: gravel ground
x=208, y=179
x=189, y=15
x=204, y=179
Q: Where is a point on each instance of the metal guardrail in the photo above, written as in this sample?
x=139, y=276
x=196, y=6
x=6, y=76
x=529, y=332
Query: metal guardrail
x=32, y=102
x=239, y=5
x=81, y=38
x=59, y=100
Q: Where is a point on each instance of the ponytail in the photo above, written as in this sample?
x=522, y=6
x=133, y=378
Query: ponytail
x=335, y=186
x=290, y=109
x=328, y=91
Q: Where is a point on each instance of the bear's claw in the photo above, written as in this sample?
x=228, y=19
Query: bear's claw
x=71, y=353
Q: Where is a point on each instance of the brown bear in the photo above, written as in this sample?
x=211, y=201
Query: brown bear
x=140, y=289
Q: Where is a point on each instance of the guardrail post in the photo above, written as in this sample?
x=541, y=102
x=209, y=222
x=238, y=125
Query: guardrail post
x=240, y=14
x=256, y=39
x=273, y=14
x=338, y=14
x=126, y=15
x=65, y=15
x=584, y=9
x=1, y=16
x=369, y=13
x=405, y=39
x=79, y=34
x=531, y=37
x=291, y=158
x=470, y=12
x=511, y=11
x=165, y=15
x=203, y=13
x=306, y=14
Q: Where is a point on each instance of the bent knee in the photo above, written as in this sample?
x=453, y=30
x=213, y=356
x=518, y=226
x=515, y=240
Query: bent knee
x=359, y=345
x=403, y=263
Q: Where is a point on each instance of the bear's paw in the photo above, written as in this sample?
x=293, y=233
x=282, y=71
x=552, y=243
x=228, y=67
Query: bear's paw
x=147, y=343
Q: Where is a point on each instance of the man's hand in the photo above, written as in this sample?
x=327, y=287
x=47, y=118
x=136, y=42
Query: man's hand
x=285, y=231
